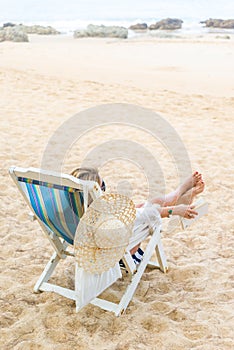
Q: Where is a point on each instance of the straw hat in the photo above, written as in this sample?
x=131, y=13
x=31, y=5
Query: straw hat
x=103, y=232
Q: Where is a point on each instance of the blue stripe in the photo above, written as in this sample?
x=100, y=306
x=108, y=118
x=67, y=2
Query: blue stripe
x=48, y=211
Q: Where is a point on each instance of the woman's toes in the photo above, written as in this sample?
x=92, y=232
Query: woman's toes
x=197, y=177
x=199, y=187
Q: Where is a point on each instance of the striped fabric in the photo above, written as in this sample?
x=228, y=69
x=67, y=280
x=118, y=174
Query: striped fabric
x=58, y=207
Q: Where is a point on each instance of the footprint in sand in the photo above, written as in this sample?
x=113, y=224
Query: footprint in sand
x=154, y=324
x=196, y=331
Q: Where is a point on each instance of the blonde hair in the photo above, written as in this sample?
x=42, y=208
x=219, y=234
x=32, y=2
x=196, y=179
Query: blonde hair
x=87, y=174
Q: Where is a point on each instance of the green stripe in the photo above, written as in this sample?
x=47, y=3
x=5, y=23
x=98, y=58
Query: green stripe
x=47, y=184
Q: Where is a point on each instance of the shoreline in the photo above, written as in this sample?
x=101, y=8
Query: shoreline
x=189, y=27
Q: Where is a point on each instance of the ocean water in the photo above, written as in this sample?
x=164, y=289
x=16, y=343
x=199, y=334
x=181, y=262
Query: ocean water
x=70, y=15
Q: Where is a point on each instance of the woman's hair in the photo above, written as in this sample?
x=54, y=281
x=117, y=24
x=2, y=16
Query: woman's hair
x=87, y=174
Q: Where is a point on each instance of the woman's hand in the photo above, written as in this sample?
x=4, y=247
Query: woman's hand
x=186, y=211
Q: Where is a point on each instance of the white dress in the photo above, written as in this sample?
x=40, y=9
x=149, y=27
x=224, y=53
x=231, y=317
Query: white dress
x=147, y=217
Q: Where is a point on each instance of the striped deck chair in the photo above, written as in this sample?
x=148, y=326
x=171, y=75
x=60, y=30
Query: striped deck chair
x=58, y=201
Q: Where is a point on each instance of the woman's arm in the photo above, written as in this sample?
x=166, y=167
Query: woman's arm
x=183, y=210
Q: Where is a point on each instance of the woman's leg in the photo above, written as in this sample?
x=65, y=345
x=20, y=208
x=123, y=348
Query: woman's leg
x=173, y=197
x=134, y=249
x=188, y=197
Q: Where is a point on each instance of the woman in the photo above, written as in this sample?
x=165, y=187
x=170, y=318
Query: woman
x=177, y=202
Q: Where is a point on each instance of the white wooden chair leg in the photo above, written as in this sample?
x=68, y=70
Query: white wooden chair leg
x=129, y=263
x=76, y=288
x=127, y=297
x=47, y=271
x=161, y=257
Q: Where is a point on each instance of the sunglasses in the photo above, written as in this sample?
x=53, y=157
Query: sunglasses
x=103, y=186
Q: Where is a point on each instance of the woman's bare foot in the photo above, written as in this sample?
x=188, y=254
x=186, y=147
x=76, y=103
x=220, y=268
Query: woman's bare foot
x=190, y=182
x=188, y=197
x=173, y=197
x=199, y=188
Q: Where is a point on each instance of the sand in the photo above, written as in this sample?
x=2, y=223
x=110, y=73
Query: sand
x=189, y=82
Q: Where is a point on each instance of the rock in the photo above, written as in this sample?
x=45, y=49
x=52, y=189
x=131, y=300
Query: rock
x=222, y=37
x=2, y=35
x=219, y=23
x=41, y=30
x=102, y=32
x=139, y=26
x=14, y=33
x=8, y=24
x=80, y=33
x=167, y=24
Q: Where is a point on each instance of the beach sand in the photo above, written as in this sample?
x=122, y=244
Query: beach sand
x=189, y=82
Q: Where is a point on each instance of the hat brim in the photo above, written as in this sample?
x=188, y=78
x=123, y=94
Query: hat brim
x=104, y=232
